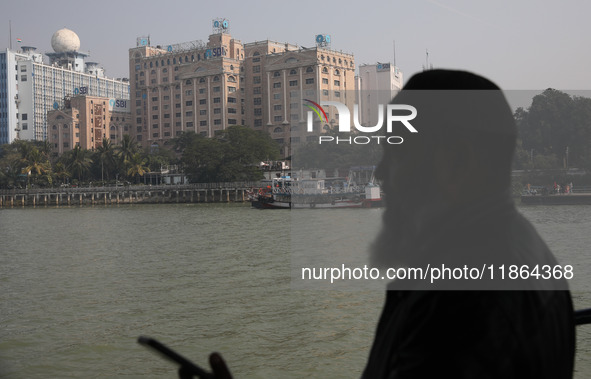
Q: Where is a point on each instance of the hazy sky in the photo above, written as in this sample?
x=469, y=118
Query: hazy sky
x=518, y=44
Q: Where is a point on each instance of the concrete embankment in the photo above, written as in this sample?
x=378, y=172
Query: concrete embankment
x=189, y=193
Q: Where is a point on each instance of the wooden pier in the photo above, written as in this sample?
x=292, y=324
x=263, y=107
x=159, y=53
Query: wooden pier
x=185, y=193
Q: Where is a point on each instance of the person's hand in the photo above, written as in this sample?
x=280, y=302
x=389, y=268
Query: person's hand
x=219, y=367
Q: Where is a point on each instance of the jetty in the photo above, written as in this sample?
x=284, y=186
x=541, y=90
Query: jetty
x=129, y=194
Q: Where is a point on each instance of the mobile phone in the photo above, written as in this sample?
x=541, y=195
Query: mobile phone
x=175, y=357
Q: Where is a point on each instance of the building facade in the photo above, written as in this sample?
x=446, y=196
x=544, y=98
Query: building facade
x=377, y=84
x=30, y=88
x=207, y=87
x=85, y=120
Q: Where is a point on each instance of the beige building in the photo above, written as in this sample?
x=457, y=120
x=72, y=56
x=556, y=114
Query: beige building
x=206, y=87
x=188, y=87
x=85, y=120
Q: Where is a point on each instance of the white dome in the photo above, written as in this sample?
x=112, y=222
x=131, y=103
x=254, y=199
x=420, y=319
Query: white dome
x=65, y=40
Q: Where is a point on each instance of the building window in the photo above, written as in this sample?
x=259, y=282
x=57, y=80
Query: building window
x=258, y=111
x=231, y=89
x=217, y=121
x=231, y=110
x=276, y=74
x=25, y=126
x=189, y=103
x=257, y=101
x=189, y=92
x=277, y=85
x=337, y=82
x=258, y=122
x=24, y=116
x=189, y=124
x=256, y=68
x=23, y=78
x=202, y=123
x=217, y=99
x=154, y=126
x=293, y=83
x=217, y=110
x=277, y=107
x=310, y=81
x=154, y=117
x=324, y=81
x=295, y=117
x=256, y=59
x=217, y=89
x=189, y=113
x=256, y=90
x=278, y=118
x=276, y=96
x=293, y=72
x=277, y=130
x=203, y=101
x=231, y=99
x=188, y=81
x=256, y=79
x=337, y=72
x=232, y=121
x=167, y=115
x=202, y=90
x=337, y=94
x=155, y=135
x=216, y=78
x=155, y=98
x=177, y=114
x=155, y=108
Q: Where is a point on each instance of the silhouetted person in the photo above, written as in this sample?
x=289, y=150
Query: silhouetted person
x=458, y=211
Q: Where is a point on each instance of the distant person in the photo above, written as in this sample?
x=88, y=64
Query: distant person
x=460, y=212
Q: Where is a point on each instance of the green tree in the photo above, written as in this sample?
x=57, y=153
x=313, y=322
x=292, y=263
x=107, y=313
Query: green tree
x=37, y=165
x=79, y=162
x=107, y=156
x=231, y=155
x=137, y=166
x=126, y=150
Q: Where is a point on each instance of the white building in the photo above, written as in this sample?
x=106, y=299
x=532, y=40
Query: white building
x=376, y=84
x=29, y=88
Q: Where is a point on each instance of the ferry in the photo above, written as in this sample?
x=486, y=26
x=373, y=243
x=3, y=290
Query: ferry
x=289, y=193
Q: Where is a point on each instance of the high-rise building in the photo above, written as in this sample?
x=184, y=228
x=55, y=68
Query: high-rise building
x=29, y=87
x=206, y=87
x=377, y=84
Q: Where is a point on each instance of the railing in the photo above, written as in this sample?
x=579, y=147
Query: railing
x=168, y=187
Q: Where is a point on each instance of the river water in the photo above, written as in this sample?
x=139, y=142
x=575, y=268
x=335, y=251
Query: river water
x=79, y=285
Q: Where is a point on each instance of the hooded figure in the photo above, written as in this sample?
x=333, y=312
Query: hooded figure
x=448, y=204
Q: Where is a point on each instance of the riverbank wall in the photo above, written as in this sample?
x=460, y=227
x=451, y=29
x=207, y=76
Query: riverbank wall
x=186, y=193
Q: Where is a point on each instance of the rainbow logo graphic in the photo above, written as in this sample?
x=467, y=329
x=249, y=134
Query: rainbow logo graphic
x=318, y=107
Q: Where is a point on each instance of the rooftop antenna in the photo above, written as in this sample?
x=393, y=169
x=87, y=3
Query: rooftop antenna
x=427, y=66
x=394, y=48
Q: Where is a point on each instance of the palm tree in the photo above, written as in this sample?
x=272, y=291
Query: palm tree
x=79, y=161
x=137, y=166
x=106, y=154
x=127, y=149
x=36, y=164
x=61, y=172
